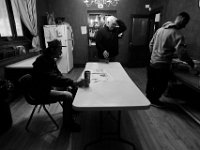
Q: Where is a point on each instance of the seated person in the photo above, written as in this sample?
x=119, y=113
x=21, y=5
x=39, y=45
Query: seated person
x=47, y=79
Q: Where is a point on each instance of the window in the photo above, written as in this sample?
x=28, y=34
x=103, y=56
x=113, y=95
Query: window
x=17, y=21
x=13, y=33
x=5, y=28
x=10, y=23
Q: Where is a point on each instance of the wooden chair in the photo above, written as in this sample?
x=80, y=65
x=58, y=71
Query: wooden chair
x=25, y=83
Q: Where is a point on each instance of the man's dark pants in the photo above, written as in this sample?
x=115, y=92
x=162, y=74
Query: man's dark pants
x=157, y=81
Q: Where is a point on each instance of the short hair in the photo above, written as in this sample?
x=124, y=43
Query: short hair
x=185, y=15
x=110, y=20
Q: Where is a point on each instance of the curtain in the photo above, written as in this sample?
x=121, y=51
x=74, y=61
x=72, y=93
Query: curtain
x=28, y=14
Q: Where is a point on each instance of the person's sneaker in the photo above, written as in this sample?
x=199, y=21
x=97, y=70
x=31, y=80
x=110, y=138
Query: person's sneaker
x=158, y=104
x=74, y=127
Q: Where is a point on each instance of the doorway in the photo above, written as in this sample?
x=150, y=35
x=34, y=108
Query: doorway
x=142, y=29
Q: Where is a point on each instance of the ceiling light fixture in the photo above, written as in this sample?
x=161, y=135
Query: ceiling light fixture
x=101, y=3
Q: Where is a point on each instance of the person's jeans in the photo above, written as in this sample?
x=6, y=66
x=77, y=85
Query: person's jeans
x=67, y=99
x=157, y=81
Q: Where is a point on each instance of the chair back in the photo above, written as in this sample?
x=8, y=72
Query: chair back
x=26, y=85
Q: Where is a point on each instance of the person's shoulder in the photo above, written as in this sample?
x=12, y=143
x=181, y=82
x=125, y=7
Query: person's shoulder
x=102, y=29
x=38, y=59
x=41, y=58
x=175, y=34
x=159, y=31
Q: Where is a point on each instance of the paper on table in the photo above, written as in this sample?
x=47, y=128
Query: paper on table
x=100, y=76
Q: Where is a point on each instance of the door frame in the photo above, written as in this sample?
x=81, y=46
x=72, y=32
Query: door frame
x=151, y=17
x=131, y=19
x=150, y=31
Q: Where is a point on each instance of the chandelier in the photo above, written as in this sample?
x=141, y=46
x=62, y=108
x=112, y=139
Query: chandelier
x=101, y=3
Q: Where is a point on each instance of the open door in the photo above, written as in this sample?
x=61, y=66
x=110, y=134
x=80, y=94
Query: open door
x=142, y=30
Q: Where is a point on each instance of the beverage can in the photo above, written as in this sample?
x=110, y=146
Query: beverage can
x=87, y=75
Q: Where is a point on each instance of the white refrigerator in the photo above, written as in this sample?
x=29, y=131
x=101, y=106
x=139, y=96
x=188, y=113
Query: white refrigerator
x=65, y=35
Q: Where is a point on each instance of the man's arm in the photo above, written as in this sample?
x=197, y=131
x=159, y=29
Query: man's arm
x=151, y=43
x=43, y=68
x=182, y=52
x=60, y=81
x=122, y=26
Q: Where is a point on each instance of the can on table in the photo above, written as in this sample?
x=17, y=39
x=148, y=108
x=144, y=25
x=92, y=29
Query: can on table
x=87, y=76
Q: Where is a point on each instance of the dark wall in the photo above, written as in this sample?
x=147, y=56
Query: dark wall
x=75, y=13
x=192, y=31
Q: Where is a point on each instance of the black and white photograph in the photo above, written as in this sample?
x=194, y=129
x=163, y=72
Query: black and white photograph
x=100, y=75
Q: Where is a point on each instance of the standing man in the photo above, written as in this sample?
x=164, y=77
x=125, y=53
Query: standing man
x=107, y=38
x=166, y=42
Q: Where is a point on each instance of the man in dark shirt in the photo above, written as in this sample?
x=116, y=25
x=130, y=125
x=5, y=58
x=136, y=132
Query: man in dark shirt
x=107, y=38
x=47, y=79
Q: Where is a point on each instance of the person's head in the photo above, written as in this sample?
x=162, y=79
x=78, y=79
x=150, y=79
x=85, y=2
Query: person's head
x=111, y=22
x=182, y=19
x=54, y=48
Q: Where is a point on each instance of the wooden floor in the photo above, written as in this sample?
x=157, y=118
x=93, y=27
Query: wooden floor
x=152, y=129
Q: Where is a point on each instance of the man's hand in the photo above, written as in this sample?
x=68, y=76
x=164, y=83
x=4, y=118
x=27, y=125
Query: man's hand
x=105, y=54
x=83, y=83
x=120, y=35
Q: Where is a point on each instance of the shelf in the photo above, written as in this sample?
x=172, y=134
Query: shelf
x=17, y=58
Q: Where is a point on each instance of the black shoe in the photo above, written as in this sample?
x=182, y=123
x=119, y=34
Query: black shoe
x=158, y=104
x=74, y=127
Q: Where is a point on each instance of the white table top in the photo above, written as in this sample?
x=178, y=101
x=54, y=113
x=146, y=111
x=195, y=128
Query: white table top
x=110, y=89
x=27, y=63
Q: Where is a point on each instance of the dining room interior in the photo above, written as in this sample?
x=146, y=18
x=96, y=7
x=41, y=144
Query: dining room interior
x=27, y=26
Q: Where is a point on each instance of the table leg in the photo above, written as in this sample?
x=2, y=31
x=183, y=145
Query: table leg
x=118, y=138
